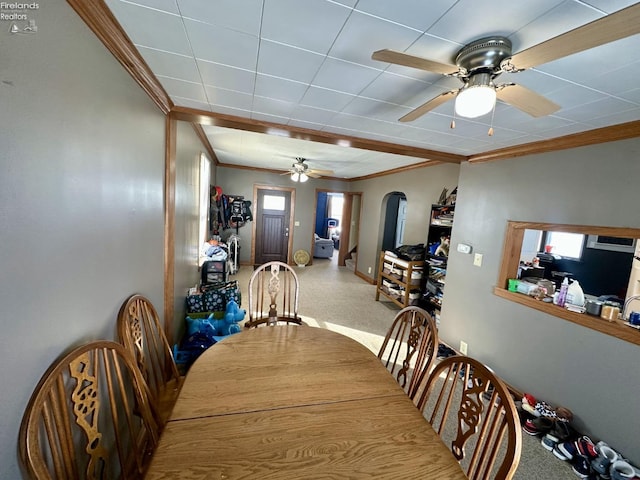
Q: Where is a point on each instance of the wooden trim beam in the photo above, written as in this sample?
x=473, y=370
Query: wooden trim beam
x=228, y=121
x=104, y=25
x=591, y=137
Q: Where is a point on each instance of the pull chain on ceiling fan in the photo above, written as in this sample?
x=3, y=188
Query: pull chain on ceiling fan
x=479, y=63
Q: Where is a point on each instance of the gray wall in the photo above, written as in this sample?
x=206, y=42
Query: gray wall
x=241, y=182
x=81, y=202
x=422, y=188
x=593, y=374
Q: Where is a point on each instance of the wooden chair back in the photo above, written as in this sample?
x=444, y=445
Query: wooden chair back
x=273, y=295
x=89, y=418
x=472, y=410
x=410, y=347
x=141, y=333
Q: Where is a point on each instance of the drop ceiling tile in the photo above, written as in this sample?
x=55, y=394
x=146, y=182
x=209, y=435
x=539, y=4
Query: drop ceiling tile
x=179, y=88
x=379, y=34
x=168, y=6
x=616, y=118
x=363, y=124
x=241, y=15
x=308, y=114
x=563, y=17
x=272, y=106
x=152, y=28
x=416, y=14
x=437, y=49
x=326, y=98
x=610, y=6
x=626, y=78
x=607, y=106
x=394, y=88
x=370, y=108
x=222, y=45
x=230, y=78
x=267, y=117
x=540, y=82
x=344, y=77
x=305, y=124
x=312, y=27
x=632, y=95
x=279, y=88
x=460, y=23
x=572, y=95
x=288, y=62
x=237, y=112
x=170, y=64
x=580, y=67
x=228, y=98
x=189, y=103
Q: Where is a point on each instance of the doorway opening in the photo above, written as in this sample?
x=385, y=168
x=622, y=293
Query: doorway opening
x=395, y=214
x=337, y=218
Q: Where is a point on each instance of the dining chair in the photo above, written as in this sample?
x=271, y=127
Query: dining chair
x=140, y=332
x=89, y=418
x=473, y=412
x=273, y=295
x=410, y=347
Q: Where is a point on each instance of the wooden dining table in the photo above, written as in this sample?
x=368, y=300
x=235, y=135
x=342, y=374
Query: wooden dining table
x=296, y=402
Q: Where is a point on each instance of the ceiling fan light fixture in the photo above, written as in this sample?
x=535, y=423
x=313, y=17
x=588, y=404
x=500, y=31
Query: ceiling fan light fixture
x=475, y=100
x=295, y=176
x=303, y=177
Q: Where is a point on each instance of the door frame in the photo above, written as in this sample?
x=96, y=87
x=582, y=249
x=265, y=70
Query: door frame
x=345, y=229
x=292, y=191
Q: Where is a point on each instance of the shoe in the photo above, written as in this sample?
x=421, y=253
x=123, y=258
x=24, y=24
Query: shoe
x=559, y=433
x=581, y=466
x=537, y=426
x=563, y=414
x=582, y=446
x=606, y=457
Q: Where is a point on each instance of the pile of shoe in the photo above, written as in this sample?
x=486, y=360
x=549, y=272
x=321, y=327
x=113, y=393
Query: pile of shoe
x=588, y=460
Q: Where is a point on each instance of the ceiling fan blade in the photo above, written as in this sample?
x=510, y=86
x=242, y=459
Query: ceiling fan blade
x=526, y=100
x=320, y=172
x=312, y=174
x=407, y=60
x=616, y=26
x=428, y=106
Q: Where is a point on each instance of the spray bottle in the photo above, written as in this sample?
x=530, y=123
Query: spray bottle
x=562, y=296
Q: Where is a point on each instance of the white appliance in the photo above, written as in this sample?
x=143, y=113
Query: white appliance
x=633, y=290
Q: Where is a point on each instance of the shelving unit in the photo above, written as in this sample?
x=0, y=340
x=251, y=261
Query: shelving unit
x=432, y=286
x=398, y=278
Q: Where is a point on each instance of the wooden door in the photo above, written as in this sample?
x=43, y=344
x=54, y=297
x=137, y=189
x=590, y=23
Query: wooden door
x=273, y=219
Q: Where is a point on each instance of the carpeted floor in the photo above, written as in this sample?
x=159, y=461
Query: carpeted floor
x=333, y=297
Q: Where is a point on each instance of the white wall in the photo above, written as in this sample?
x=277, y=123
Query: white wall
x=593, y=374
x=81, y=202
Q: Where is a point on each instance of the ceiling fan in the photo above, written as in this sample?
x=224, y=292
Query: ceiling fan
x=300, y=171
x=479, y=63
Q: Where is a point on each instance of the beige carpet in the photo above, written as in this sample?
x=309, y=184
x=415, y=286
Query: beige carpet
x=333, y=297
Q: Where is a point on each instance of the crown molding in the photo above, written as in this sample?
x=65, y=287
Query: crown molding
x=104, y=25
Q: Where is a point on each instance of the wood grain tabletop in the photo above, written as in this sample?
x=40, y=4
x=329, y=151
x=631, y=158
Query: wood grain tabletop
x=296, y=402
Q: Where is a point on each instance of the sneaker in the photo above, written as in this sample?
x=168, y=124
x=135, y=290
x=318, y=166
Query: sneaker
x=581, y=466
x=559, y=433
x=582, y=446
x=537, y=426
